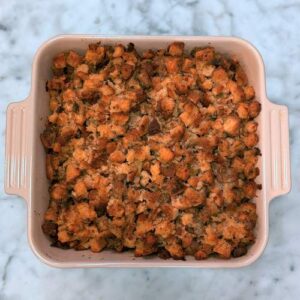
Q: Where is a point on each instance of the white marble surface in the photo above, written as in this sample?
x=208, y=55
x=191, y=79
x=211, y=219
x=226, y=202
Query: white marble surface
x=272, y=26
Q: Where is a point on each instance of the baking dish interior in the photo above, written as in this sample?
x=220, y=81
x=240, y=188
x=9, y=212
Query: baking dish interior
x=252, y=63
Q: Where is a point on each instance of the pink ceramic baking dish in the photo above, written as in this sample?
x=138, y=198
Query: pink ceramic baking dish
x=25, y=156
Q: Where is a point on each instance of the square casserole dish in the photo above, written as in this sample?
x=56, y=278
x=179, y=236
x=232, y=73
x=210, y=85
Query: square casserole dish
x=25, y=156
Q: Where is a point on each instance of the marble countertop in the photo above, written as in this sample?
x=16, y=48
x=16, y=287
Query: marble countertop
x=272, y=26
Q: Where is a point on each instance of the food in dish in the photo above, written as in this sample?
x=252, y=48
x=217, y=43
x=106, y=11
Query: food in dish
x=153, y=151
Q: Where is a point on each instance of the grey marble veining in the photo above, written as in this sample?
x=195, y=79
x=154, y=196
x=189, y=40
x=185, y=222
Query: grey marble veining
x=272, y=26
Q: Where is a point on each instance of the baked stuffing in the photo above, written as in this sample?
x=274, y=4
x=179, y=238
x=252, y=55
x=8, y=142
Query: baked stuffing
x=153, y=151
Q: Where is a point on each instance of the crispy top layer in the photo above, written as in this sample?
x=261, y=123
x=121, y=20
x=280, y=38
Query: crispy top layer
x=153, y=151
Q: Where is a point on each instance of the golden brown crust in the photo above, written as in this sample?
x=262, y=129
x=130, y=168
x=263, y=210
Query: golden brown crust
x=153, y=152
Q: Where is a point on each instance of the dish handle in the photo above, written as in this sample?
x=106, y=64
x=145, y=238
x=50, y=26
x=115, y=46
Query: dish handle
x=17, y=159
x=279, y=151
